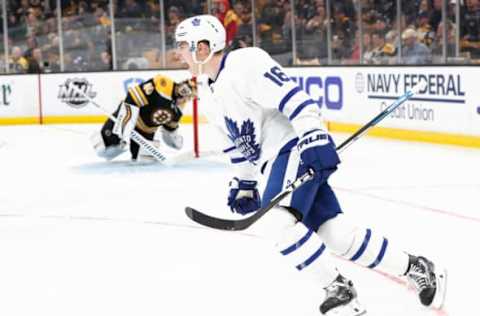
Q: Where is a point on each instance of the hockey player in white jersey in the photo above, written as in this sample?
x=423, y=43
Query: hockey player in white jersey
x=274, y=133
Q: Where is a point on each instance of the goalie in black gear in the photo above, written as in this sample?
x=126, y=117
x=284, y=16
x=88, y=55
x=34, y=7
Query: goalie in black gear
x=150, y=107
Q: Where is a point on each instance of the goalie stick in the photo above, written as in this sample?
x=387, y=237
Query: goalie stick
x=244, y=223
x=135, y=136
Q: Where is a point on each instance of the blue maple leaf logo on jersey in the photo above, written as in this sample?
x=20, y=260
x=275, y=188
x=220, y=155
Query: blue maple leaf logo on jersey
x=244, y=138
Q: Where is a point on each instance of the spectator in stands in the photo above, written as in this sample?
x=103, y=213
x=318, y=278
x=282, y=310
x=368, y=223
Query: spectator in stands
x=271, y=24
x=393, y=39
x=102, y=17
x=341, y=49
x=414, y=52
x=410, y=11
x=312, y=39
x=425, y=33
x=367, y=48
x=18, y=63
x=343, y=30
x=221, y=9
x=153, y=14
x=131, y=9
x=382, y=52
x=437, y=45
x=174, y=17
x=424, y=7
x=244, y=36
x=187, y=7
x=381, y=23
x=35, y=61
x=470, y=31
x=105, y=62
x=386, y=10
x=436, y=14
x=32, y=43
x=32, y=22
x=53, y=60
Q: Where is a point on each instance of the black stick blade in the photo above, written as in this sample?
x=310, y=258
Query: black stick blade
x=221, y=223
x=209, y=221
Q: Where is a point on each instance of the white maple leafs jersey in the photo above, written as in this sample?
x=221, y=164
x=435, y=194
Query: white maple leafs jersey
x=257, y=108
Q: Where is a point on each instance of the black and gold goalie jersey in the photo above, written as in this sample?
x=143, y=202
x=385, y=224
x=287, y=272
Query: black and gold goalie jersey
x=160, y=100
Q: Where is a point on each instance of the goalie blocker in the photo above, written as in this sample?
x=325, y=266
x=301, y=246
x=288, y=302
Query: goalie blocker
x=153, y=106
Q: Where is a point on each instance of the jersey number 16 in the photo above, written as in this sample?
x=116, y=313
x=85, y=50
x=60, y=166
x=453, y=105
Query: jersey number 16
x=277, y=76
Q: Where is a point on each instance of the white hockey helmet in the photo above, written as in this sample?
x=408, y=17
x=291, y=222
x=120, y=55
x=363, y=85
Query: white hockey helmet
x=202, y=28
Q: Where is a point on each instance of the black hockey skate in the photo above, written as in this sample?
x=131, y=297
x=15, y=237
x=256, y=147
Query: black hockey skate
x=341, y=299
x=429, y=281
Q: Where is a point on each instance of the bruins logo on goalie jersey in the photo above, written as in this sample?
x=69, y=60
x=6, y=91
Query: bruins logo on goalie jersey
x=162, y=117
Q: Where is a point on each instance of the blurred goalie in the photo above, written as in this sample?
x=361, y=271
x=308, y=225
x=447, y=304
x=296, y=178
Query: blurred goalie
x=154, y=106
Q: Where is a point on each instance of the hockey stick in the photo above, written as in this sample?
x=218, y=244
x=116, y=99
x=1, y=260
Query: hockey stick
x=241, y=224
x=135, y=136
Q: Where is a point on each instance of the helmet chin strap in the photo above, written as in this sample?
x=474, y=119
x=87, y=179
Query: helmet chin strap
x=201, y=63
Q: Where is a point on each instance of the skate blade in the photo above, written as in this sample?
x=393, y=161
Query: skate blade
x=439, y=298
x=352, y=309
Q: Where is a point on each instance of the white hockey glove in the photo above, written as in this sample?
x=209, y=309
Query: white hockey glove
x=172, y=138
x=126, y=121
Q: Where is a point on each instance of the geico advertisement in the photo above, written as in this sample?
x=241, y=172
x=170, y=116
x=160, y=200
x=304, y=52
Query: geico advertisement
x=91, y=93
x=19, y=96
x=356, y=94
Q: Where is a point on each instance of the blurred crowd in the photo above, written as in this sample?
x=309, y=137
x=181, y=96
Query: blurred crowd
x=358, y=31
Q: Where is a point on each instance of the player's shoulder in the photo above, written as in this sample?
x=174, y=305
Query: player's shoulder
x=248, y=52
x=163, y=85
x=248, y=56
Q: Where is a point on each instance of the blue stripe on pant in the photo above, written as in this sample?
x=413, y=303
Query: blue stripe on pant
x=314, y=200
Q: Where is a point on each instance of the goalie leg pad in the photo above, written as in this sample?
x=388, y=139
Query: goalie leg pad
x=126, y=121
x=107, y=152
x=144, y=155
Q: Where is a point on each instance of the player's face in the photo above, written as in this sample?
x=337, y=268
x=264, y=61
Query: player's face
x=184, y=53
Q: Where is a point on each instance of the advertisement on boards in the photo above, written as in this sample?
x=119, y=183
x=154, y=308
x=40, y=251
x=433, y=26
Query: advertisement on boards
x=19, y=96
x=60, y=98
x=357, y=94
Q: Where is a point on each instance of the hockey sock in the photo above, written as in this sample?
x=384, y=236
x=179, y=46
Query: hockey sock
x=363, y=246
x=301, y=247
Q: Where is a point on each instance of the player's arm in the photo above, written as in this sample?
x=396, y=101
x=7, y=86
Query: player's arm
x=275, y=89
x=243, y=196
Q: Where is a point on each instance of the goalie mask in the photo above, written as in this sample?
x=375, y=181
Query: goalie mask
x=184, y=91
x=201, y=28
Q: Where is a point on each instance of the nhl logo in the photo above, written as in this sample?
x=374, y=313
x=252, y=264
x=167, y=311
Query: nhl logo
x=74, y=98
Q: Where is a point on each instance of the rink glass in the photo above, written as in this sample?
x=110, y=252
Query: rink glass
x=99, y=35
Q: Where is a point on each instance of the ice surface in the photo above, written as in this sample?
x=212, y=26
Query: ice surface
x=81, y=236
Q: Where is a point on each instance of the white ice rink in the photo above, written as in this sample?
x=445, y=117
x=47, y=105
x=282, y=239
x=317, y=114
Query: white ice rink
x=84, y=237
